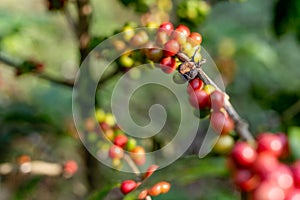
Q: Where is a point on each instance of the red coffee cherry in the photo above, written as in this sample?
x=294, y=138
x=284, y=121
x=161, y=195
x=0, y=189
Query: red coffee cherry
x=268, y=190
x=116, y=152
x=265, y=163
x=165, y=187
x=243, y=154
x=282, y=176
x=171, y=48
x=138, y=155
x=296, y=173
x=217, y=99
x=183, y=29
x=167, y=27
x=150, y=171
x=199, y=99
x=128, y=186
x=284, y=140
x=271, y=143
x=70, y=167
x=195, y=84
x=155, y=190
x=168, y=64
x=195, y=38
x=221, y=123
x=143, y=194
x=246, y=180
x=121, y=140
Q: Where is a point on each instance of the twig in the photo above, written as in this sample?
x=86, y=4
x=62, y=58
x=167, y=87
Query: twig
x=241, y=126
x=71, y=22
x=131, y=164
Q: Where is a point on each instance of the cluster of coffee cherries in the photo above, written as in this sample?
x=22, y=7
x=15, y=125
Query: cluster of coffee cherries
x=120, y=141
x=260, y=172
x=162, y=187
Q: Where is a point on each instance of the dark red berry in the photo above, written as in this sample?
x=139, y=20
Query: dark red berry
x=168, y=64
x=195, y=84
x=171, y=48
x=243, y=154
x=296, y=173
x=199, y=99
x=128, y=186
x=121, y=140
x=246, y=180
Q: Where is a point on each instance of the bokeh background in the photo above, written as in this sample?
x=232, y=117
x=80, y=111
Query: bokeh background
x=255, y=45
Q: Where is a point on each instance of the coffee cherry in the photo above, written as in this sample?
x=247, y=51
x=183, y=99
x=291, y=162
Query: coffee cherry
x=195, y=38
x=154, y=54
x=195, y=84
x=155, y=190
x=126, y=61
x=128, y=32
x=121, y=140
x=271, y=143
x=167, y=27
x=246, y=180
x=165, y=187
x=139, y=39
x=161, y=37
x=131, y=144
x=293, y=195
x=199, y=99
x=268, y=190
x=179, y=37
x=70, y=167
x=168, y=64
x=171, y=48
x=104, y=126
x=150, y=171
x=143, y=194
x=282, y=176
x=243, y=154
x=221, y=123
x=296, y=173
x=284, y=140
x=138, y=155
x=116, y=152
x=217, y=99
x=224, y=144
x=128, y=186
x=183, y=29
x=265, y=163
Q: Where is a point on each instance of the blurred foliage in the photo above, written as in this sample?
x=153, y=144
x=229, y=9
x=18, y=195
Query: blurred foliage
x=261, y=73
x=287, y=17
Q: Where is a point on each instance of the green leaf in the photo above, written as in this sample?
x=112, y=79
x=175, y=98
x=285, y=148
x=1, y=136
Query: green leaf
x=294, y=140
x=102, y=193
